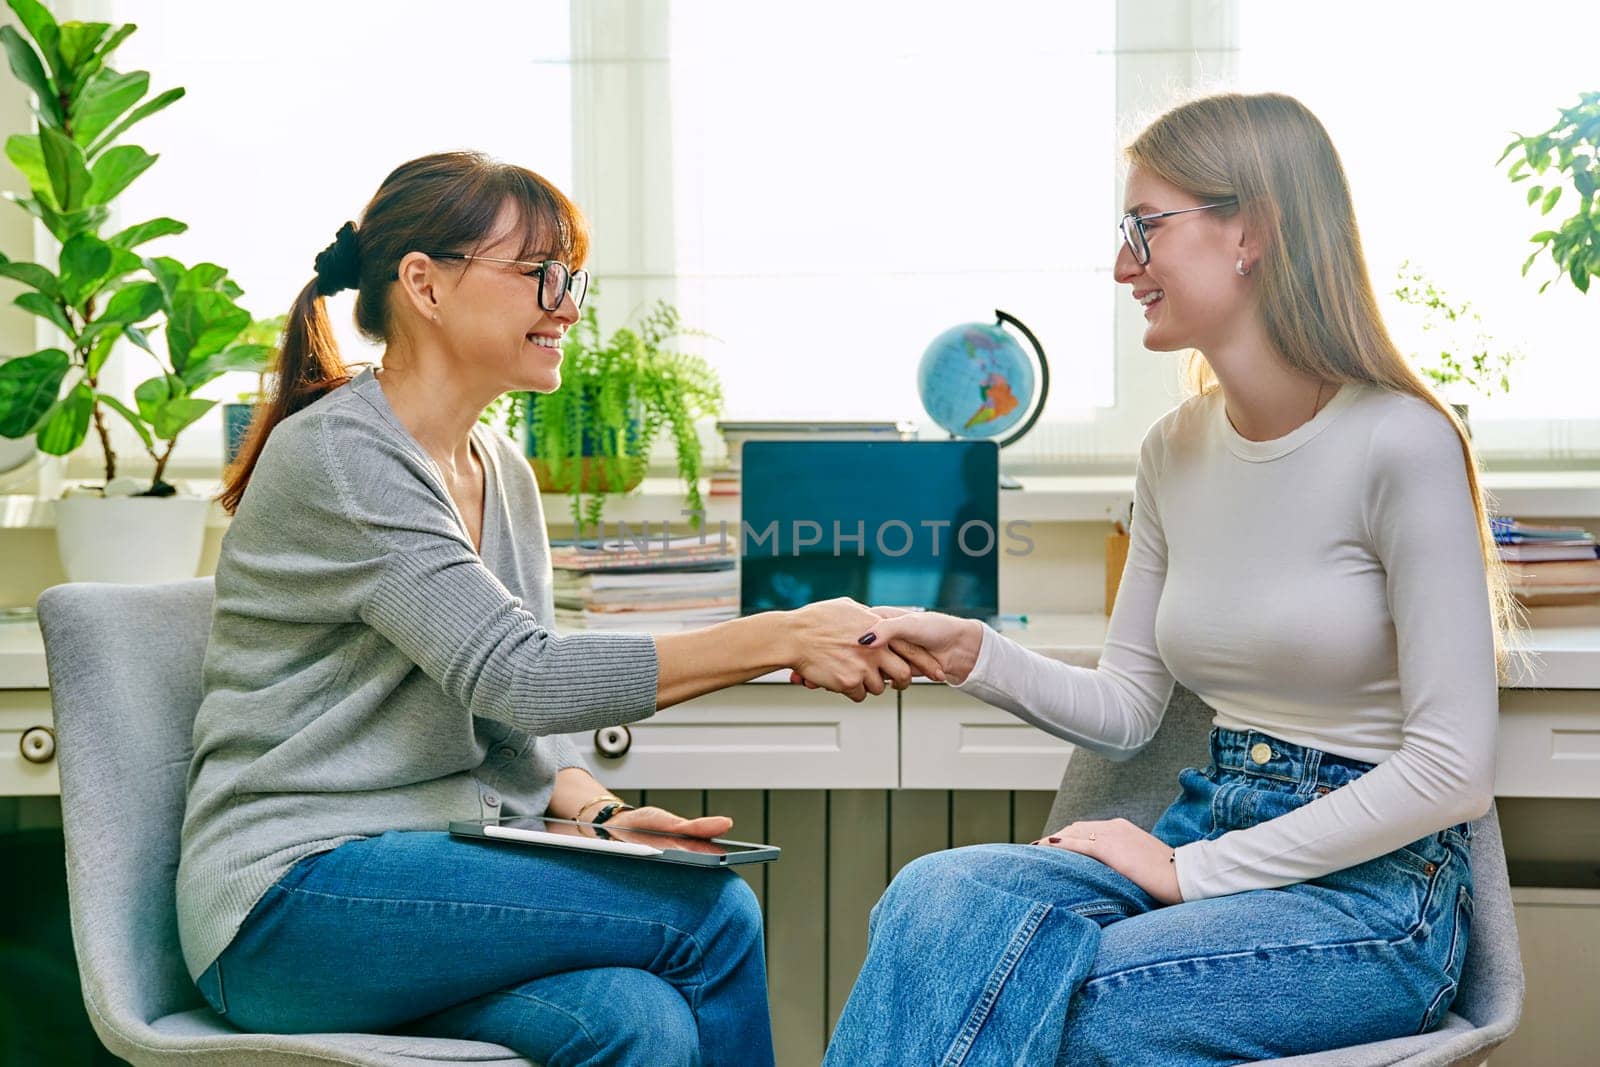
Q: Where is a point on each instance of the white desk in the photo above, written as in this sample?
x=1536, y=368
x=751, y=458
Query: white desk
x=770, y=735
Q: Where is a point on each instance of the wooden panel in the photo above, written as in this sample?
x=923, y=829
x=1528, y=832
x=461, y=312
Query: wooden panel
x=748, y=810
x=797, y=942
x=979, y=817
x=858, y=864
x=919, y=823
x=760, y=736
x=950, y=740
x=1029, y=810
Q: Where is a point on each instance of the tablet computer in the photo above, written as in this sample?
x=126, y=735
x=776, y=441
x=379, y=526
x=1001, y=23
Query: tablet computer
x=628, y=843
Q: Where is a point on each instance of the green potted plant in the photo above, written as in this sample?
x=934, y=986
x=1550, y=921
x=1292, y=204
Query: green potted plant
x=267, y=335
x=1469, y=360
x=1570, y=150
x=592, y=437
x=101, y=291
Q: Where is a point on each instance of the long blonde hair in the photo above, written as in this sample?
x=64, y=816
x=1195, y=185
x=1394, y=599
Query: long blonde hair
x=1271, y=155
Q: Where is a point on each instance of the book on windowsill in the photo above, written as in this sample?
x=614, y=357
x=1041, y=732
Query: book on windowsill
x=1555, y=581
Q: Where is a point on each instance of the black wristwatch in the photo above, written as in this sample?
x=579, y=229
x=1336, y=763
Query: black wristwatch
x=609, y=810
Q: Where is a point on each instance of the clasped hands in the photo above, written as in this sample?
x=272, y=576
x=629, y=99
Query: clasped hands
x=852, y=649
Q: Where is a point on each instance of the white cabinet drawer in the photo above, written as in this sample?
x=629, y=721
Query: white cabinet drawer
x=1549, y=743
x=949, y=740
x=758, y=736
x=22, y=710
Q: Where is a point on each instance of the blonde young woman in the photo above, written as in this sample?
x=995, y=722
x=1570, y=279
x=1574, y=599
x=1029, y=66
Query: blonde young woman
x=1310, y=555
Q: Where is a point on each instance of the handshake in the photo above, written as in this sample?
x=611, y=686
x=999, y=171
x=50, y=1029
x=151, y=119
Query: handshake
x=853, y=649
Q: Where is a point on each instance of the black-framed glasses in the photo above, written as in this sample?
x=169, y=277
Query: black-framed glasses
x=1138, y=242
x=556, y=279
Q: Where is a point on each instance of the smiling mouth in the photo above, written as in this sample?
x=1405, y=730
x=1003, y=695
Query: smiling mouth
x=1152, y=298
x=552, y=343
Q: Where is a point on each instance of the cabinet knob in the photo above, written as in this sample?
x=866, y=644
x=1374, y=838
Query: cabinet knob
x=613, y=742
x=38, y=744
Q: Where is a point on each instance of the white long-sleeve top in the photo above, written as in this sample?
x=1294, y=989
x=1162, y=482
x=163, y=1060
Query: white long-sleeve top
x=1326, y=587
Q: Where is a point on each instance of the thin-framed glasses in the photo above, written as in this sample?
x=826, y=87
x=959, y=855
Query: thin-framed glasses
x=1138, y=242
x=556, y=279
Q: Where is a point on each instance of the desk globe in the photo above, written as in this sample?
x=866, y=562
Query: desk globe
x=976, y=381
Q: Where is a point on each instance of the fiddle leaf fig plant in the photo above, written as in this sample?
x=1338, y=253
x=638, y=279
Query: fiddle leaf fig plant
x=1570, y=151
x=100, y=290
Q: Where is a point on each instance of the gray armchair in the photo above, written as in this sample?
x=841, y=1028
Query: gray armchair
x=124, y=665
x=1489, y=1002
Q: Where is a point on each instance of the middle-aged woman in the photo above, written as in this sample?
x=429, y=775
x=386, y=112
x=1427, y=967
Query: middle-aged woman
x=382, y=662
x=1311, y=555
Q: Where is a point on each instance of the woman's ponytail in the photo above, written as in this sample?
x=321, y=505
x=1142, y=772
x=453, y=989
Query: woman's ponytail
x=308, y=364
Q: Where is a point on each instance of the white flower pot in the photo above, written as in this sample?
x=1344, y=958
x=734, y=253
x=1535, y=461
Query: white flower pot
x=131, y=540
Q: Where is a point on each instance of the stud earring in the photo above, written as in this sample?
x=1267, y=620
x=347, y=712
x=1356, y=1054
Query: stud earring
x=1238, y=267
x=436, y=315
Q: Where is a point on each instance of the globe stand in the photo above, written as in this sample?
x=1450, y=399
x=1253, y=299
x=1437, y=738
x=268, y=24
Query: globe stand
x=1000, y=317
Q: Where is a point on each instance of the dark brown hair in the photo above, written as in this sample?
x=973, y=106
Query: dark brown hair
x=447, y=203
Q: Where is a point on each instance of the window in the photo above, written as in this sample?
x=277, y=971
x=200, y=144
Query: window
x=1420, y=99
x=850, y=180
x=297, y=112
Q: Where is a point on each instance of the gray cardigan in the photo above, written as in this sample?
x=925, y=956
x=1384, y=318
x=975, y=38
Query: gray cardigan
x=368, y=670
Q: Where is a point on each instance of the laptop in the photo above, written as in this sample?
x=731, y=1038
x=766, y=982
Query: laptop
x=904, y=523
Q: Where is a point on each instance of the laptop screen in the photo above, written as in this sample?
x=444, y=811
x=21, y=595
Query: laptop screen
x=912, y=523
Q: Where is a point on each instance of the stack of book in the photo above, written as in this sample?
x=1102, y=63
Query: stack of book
x=725, y=478
x=652, y=586
x=1549, y=564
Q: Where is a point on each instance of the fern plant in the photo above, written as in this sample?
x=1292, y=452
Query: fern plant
x=618, y=394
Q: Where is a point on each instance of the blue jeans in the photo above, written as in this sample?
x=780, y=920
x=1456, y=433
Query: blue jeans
x=1021, y=954
x=564, y=958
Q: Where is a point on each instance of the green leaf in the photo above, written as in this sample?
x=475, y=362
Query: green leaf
x=134, y=303
x=252, y=358
x=78, y=41
x=1528, y=263
x=28, y=386
x=140, y=113
x=101, y=349
x=67, y=423
x=1550, y=199
x=46, y=308
x=1535, y=193
x=1579, y=272
x=103, y=100
x=140, y=338
x=63, y=161
x=42, y=27
x=141, y=232
x=200, y=324
x=32, y=274
x=115, y=171
x=134, y=420
x=165, y=404
x=26, y=154
x=85, y=266
x=167, y=272
x=29, y=70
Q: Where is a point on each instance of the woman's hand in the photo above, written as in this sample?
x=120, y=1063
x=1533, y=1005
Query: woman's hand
x=826, y=654
x=1141, y=857
x=952, y=643
x=664, y=821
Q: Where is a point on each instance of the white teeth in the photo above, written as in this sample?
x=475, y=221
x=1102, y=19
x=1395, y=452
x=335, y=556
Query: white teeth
x=1152, y=296
x=545, y=342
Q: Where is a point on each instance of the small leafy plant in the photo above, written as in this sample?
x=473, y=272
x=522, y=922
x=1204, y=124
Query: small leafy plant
x=617, y=395
x=1570, y=150
x=1468, y=356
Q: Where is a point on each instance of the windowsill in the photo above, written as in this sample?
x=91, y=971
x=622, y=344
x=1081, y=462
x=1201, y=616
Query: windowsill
x=1079, y=498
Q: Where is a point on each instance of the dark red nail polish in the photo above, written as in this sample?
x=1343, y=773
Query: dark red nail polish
x=1055, y=840
x=866, y=639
